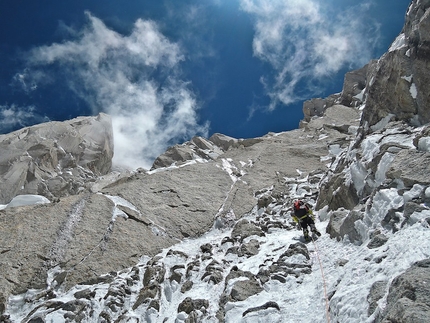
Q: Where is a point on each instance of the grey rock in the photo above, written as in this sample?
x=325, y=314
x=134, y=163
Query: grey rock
x=86, y=293
x=226, y=142
x=206, y=248
x=411, y=167
x=154, y=272
x=409, y=296
x=342, y=262
x=178, y=155
x=186, y=286
x=249, y=249
x=377, y=241
x=55, y=159
x=264, y=201
x=409, y=209
x=244, y=229
x=213, y=273
x=316, y=107
x=243, y=289
x=342, y=223
x=188, y=305
x=377, y=291
x=354, y=83
x=147, y=294
x=262, y=307
x=287, y=264
x=223, y=141
x=389, y=91
x=336, y=194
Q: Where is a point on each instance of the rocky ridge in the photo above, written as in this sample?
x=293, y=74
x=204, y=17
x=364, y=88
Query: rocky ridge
x=110, y=253
x=55, y=159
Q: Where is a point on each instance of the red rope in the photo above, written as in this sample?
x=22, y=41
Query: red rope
x=324, y=283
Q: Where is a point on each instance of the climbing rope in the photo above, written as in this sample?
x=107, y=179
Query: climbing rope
x=324, y=283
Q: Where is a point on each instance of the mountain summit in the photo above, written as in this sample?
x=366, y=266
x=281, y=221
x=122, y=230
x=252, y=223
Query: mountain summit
x=206, y=235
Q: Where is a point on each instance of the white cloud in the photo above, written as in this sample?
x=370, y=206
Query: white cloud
x=13, y=116
x=120, y=75
x=306, y=41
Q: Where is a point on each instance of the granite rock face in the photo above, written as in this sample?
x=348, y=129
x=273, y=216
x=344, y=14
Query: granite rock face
x=55, y=159
x=113, y=235
x=409, y=296
x=399, y=85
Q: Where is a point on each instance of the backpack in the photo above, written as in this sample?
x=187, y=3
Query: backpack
x=300, y=209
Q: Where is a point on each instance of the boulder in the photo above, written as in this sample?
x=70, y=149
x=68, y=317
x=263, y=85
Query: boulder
x=409, y=296
x=196, y=148
x=243, y=289
x=316, y=107
x=244, y=229
x=262, y=307
x=188, y=305
x=342, y=224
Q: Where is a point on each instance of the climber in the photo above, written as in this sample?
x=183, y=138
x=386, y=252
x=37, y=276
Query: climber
x=304, y=217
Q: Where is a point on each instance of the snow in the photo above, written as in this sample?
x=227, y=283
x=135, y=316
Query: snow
x=424, y=144
x=398, y=43
x=360, y=95
x=382, y=123
x=407, y=78
x=22, y=200
x=413, y=91
x=302, y=298
x=344, y=270
x=230, y=168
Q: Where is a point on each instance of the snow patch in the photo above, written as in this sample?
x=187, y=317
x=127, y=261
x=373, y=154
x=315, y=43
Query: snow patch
x=28, y=199
x=424, y=144
x=382, y=123
x=413, y=91
x=407, y=78
x=398, y=43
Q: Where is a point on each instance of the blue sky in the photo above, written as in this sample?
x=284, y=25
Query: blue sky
x=169, y=70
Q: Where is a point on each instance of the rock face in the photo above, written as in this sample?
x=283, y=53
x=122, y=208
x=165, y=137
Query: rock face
x=84, y=236
x=55, y=159
x=409, y=296
x=399, y=86
x=122, y=247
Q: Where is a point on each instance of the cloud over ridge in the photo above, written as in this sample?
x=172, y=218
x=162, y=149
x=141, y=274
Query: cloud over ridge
x=305, y=42
x=135, y=78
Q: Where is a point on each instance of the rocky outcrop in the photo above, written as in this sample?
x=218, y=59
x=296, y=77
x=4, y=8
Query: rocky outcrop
x=200, y=149
x=352, y=94
x=396, y=85
x=196, y=148
x=399, y=85
x=55, y=159
x=341, y=225
x=409, y=296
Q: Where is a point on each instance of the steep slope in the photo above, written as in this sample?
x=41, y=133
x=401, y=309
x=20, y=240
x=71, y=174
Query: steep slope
x=255, y=269
x=206, y=235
